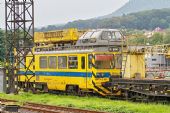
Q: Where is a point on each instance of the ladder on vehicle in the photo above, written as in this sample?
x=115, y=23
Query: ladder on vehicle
x=124, y=52
x=124, y=62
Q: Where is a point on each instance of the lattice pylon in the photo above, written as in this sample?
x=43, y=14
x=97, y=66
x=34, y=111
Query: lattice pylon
x=19, y=20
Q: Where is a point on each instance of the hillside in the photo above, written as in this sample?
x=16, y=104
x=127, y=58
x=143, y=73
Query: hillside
x=139, y=5
x=133, y=6
x=141, y=20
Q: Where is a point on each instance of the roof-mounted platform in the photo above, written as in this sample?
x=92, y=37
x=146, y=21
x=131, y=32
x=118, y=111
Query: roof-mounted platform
x=96, y=39
x=67, y=35
x=101, y=37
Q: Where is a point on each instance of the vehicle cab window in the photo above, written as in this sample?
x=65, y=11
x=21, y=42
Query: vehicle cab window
x=118, y=36
x=106, y=35
x=104, y=61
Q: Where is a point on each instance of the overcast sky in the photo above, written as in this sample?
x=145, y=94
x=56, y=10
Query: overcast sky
x=48, y=12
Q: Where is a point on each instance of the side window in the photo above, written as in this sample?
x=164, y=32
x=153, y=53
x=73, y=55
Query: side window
x=83, y=62
x=73, y=62
x=90, y=61
x=114, y=36
x=106, y=35
x=52, y=62
x=43, y=62
x=62, y=62
x=118, y=35
x=109, y=35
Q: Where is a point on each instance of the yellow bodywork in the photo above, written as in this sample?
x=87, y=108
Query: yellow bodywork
x=58, y=36
x=135, y=66
x=85, y=79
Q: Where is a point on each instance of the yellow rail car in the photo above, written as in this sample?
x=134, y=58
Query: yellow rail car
x=74, y=70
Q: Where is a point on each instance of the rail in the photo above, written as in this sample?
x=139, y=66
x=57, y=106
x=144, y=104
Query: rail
x=54, y=109
x=41, y=108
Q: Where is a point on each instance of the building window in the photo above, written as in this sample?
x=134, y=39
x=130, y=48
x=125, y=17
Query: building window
x=62, y=62
x=43, y=62
x=52, y=62
x=83, y=62
x=73, y=62
x=153, y=59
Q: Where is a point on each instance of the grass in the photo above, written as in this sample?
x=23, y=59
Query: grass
x=90, y=103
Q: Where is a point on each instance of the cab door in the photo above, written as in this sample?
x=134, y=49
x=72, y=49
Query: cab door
x=84, y=69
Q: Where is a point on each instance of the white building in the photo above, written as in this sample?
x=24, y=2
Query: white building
x=155, y=61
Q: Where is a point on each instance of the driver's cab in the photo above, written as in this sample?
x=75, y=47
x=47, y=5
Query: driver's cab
x=101, y=37
x=113, y=35
x=105, y=65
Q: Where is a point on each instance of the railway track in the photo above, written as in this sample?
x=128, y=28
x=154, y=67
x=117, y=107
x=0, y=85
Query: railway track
x=54, y=109
x=41, y=108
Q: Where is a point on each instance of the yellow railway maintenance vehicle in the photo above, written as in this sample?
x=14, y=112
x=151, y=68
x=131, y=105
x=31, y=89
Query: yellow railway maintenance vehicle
x=95, y=59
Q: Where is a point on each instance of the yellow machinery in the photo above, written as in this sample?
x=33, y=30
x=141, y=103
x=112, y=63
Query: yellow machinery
x=82, y=68
x=68, y=35
x=57, y=39
x=135, y=66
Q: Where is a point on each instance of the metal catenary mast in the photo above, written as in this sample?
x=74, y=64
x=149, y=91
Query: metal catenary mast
x=19, y=24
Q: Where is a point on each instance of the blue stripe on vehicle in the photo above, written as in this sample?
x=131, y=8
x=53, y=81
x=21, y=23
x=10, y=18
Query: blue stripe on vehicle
x=68, y=74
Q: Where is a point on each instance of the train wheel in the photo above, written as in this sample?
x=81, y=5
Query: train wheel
x=25, y=89
x=72, y=89
x=7, y=90
x=82, y=94
x=145, y=98
x=32, y=87
x=126, y=94
x=152, y=98
x=45, y=88
x=129, y=95
x=34, y=91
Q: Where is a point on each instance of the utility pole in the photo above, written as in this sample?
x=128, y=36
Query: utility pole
x=19, y=43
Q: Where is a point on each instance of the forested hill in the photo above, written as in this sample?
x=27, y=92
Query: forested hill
x=141, y=20
x=139, y=5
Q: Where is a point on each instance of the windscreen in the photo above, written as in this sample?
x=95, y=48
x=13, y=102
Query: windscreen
x=104, y=61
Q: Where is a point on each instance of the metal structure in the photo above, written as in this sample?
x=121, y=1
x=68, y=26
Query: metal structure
x=19, y=19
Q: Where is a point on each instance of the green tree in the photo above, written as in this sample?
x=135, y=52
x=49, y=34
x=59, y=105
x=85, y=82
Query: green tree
x=138, y=40
x=156, y=39
x=167, y=37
